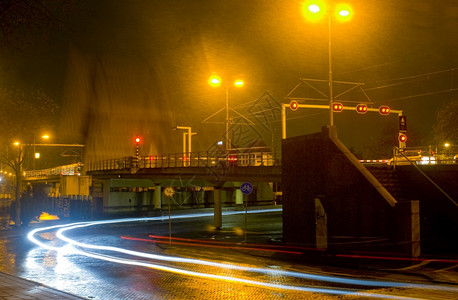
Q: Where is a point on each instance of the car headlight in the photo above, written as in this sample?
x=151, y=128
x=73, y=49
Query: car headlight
x=428, y=160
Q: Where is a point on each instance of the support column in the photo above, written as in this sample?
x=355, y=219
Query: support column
x=415, y=221
x=157, y=197
x=238, y=197
x=217, y=210
x=321, y=225
x=408, y=227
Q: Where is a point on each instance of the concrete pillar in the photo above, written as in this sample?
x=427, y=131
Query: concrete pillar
x=415, y=221
x=217, y=210
x=238, y=197
x=157, y=197
x=145, y=201
x=408, y=227
x=321, y=225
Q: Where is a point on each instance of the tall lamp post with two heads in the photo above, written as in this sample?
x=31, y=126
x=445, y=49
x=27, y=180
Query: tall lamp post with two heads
x=216, y=81
x=316, y=10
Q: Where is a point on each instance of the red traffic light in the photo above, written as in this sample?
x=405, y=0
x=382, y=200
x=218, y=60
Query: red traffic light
x=361, y=108
x=384, y=110
x=138, y=140
x=336, y=106
x=403, y=138
x=293, y=105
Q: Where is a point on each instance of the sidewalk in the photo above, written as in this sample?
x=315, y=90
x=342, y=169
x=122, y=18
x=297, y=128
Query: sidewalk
x=12, y=287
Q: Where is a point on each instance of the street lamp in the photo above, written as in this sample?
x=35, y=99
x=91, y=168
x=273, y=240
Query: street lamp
x=187, y=135
x=216, y=81
x=316, y=10
x=37, y=154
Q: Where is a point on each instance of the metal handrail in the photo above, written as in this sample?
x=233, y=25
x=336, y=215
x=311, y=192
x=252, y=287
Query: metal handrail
x=436, y=157
x=194, y=159
x=72, y=169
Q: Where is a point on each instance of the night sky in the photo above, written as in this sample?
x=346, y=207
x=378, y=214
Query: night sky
x=126, y=68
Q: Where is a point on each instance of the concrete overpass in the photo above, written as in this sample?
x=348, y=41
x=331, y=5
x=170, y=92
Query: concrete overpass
x=394, y=204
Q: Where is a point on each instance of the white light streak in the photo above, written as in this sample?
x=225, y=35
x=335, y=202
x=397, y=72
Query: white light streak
x=63, y=228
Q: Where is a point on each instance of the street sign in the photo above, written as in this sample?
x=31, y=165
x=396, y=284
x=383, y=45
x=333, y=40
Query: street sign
x=402, y=123
x=246, y=188
x=169, y=192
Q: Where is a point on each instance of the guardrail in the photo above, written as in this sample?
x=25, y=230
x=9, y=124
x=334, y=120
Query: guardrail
x=423, y=156
x=194, y=159
x=73, y=169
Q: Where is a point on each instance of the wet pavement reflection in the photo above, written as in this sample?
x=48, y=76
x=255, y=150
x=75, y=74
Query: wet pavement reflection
x=96, y=273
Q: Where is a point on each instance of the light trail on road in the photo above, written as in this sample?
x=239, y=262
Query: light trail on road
x=200, y=244
x=78, y=246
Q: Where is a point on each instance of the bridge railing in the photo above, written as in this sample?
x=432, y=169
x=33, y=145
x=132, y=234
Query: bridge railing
x=195, y=159
x=72, y=169
x=424, y=156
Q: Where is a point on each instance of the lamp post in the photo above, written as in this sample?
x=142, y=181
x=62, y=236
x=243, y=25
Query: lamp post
x=216, y=81
x=187, y=135
x=36, y=154
x=343, y=13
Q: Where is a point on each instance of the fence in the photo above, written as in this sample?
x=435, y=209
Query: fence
x=424, y=156
x=73, y=169
x=235, y=157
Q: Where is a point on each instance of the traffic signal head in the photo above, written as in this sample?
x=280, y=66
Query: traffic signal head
x=402, y=138
x=293, y=105
x=384, y=110
x=361, y=108
x=336, y=106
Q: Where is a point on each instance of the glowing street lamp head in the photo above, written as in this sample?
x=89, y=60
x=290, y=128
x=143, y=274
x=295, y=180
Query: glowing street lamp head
x=45, y=136
x=16, y=143
x=238, y=83
x=214, y=80
x=313, y=10
x=344, y=12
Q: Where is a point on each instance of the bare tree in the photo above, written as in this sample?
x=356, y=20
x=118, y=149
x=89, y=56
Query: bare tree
x=22, y=115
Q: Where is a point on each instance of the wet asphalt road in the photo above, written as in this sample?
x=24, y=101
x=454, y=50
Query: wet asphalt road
x=88, y=274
